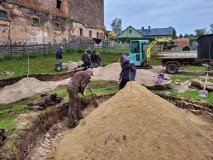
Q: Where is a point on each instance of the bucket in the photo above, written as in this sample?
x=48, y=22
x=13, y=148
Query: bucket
x=58, y=66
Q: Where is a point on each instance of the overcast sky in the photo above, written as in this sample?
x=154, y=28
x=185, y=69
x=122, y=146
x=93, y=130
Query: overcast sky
x=184, y=15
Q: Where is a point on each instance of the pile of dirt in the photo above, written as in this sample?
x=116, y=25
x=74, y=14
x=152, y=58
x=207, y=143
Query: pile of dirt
x=25, y=88
x=137, y=124
x=147, y=77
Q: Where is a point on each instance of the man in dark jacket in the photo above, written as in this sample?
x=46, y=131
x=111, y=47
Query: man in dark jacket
x=86, y=59
x=59, y=54
x=99, y=60
x=93, y=59
x=128, y=71
x=77, y=84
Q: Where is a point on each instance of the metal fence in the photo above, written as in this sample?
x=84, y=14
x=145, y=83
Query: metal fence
x=16, y=50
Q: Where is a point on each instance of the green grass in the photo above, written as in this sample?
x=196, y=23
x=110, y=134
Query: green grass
x=194, y=95
x=189, y=94
x=183, y=76
x=7, y=122
x=45, y=64
x=197, y=68
x=63, y=93
x=13, y=109
x=104, y=91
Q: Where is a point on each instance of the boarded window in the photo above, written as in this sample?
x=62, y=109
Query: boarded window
x=97, y=35
x=90, y=34
x=35, y=21
x=81, y=32
x=58, y=5
x=56, y=26
x=3, y=15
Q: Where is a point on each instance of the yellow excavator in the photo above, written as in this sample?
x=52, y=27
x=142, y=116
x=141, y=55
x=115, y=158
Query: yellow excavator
x=141, y=51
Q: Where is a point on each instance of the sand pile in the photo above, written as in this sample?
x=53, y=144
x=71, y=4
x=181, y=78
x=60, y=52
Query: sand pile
x=110, y=72
x=147, y=77
x=136, y=124
x=24, y=88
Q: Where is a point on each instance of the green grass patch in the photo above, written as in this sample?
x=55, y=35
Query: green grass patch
x=7, y=122
x=63, y=93
x=197, y=68
x=103, y=91
x=15, y=109
x=183, y=76
x=189, y=94
x=45, y=64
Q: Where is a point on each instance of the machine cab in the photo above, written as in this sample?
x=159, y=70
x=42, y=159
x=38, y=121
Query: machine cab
x=138, y=51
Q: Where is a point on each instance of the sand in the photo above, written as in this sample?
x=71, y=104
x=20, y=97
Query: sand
x=28, y=87
x=136, y=124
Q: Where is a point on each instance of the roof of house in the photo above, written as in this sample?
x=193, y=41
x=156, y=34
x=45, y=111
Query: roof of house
x=110, y=33
x=181, y=39
x=156, y=31
x=205, y=35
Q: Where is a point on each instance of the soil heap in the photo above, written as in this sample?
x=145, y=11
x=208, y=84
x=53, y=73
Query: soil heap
x=136, y=124
x=25, y=88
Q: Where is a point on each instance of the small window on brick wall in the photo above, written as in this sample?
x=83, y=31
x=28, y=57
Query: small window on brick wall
x=58, y=5
x=90, y=34
x=56, y=26
x=81, y=31
x=35, y=22
x=3, y=15
x=97, y=35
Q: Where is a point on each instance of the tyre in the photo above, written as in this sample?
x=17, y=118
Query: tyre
x=172, y=68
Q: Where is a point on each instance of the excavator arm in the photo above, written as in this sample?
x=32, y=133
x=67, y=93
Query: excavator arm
x=151, y=45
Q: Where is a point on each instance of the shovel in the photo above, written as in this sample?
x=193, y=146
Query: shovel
x=204, y=93
x=95, y=100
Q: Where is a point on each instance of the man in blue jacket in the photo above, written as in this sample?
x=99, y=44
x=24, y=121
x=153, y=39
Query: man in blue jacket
x=59, y=54
x=128, y=71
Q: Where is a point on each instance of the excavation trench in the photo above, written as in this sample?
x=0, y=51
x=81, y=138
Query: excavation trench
x=38, y=136
x=38, y=140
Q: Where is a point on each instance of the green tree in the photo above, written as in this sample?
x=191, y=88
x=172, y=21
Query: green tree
x=116, y=25
x=174, y=34
x=180, y=36
x=200, y=32
x=211, y=28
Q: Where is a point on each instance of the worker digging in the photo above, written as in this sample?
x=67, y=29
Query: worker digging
x=78, y=84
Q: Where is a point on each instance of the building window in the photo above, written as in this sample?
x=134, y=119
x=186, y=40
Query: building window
x=56, y=26
x=97, y=35
x=81, y=31
x=35, y=21
x=130, y=31
x=58, y=5
x=90, y=34
x=3, y=15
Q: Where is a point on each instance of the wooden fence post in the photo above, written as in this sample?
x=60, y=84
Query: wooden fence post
x=49, y=47
x=11, y=49
x=24, y=47
x=44, y=46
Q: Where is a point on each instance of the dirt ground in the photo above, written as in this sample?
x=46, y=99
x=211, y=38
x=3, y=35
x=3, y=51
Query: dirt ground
x=28, y=87
x=137, y=124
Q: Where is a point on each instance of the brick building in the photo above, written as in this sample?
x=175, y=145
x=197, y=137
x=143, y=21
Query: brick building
x=36, y=21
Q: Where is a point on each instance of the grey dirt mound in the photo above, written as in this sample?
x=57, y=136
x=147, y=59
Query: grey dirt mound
x=136, y=124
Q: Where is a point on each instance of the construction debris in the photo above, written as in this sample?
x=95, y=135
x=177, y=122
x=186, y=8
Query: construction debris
x=45, y=101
